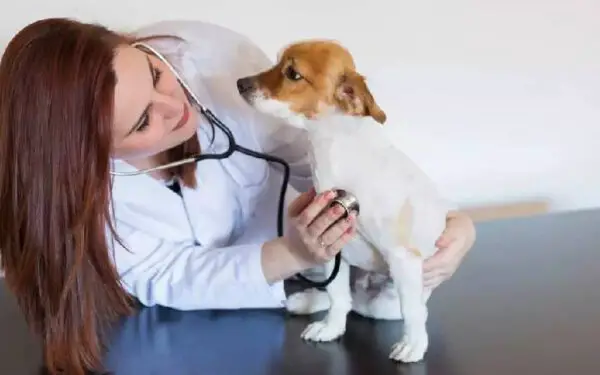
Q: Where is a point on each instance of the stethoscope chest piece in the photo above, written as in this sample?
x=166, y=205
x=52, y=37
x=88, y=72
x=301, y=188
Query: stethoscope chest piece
x=347, y=200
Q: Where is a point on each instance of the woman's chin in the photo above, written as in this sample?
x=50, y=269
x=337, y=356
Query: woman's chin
x=187, y=132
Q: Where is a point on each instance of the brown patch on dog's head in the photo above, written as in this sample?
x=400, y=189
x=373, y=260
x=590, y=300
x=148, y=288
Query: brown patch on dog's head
x=311, y=78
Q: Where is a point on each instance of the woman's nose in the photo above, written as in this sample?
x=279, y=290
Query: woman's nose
x=169, y=106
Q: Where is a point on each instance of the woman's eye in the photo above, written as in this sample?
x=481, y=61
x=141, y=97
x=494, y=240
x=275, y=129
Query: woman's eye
x=143, y=125
x=157, y=74
x=292, y=74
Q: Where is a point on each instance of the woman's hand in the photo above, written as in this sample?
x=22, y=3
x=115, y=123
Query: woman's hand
x=454, y=243
x=318, y=230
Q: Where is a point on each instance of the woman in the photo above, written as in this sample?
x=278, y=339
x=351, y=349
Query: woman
x=77, y=102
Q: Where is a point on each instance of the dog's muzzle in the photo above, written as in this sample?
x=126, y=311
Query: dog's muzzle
x=347, y=201
x=245, y=85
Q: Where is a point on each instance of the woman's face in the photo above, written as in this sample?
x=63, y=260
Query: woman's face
x=151, y=111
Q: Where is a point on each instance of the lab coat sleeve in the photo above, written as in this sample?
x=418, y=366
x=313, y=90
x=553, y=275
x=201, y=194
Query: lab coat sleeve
x=184, y=276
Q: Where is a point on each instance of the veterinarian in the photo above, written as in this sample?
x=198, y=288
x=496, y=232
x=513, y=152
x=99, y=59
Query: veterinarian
x=79, y=103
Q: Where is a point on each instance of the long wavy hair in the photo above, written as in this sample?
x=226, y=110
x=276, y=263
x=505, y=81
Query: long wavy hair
x=56, y=114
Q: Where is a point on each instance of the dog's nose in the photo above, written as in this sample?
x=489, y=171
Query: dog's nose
x=244, y=85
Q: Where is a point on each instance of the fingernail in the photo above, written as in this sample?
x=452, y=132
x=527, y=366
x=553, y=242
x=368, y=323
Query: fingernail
x=331, y=194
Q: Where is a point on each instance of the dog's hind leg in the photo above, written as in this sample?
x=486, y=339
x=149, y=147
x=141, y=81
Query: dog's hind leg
x=340, y=303
x=406, y=271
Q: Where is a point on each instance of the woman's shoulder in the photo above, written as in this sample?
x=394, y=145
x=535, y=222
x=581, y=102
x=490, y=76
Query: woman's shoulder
x=213, y=49
x=192, y=30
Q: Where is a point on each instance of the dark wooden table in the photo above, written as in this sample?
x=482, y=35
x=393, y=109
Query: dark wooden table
x=525, y=302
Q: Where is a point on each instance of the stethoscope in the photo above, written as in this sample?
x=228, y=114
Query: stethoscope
x=345, y=199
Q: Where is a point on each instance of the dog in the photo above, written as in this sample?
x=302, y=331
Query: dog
x=315, y=86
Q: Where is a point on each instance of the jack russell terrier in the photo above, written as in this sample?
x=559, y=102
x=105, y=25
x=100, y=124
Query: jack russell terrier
x=315, y=86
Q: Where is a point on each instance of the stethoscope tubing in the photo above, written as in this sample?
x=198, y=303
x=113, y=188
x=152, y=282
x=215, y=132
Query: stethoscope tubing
x=233, y=146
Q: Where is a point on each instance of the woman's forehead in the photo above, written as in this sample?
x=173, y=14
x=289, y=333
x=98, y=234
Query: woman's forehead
x=133, y=88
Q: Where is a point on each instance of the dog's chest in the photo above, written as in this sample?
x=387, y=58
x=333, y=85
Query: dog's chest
x=336, y=163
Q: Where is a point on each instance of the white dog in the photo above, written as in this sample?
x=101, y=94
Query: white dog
x=315, y=85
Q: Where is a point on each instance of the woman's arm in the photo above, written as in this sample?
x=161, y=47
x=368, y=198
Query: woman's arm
x=279, y=262
x=185, y=276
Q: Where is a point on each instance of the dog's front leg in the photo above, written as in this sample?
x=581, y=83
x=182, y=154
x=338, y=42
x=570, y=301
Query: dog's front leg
x=334, y=323
x=406, y=271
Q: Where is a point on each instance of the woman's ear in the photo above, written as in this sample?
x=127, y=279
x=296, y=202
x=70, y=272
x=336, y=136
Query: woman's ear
x=352, y=95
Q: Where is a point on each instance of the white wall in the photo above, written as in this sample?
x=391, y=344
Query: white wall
x=479, y=92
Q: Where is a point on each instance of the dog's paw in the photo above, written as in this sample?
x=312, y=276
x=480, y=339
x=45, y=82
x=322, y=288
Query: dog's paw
x=324, y=330
x=307, y=302
x=411, y=348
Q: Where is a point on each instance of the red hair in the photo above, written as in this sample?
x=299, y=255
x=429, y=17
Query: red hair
x=56, y=115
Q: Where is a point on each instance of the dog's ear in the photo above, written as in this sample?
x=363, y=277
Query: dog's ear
x=353, y=96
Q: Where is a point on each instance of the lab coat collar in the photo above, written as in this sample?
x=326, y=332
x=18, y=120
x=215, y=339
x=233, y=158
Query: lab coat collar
x=150, y=202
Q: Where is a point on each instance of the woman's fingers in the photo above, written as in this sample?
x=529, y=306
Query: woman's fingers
x=341, y=241
x=310, y=213
x=433, y=279
x=335, y=237
x=331, y=235
x=320, y=225
x=325, y=220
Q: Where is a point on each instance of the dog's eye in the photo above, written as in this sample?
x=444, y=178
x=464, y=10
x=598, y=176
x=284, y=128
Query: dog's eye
x=292, y=74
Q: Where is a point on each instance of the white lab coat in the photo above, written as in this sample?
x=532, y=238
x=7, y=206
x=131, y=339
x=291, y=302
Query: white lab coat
x=204, y=251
